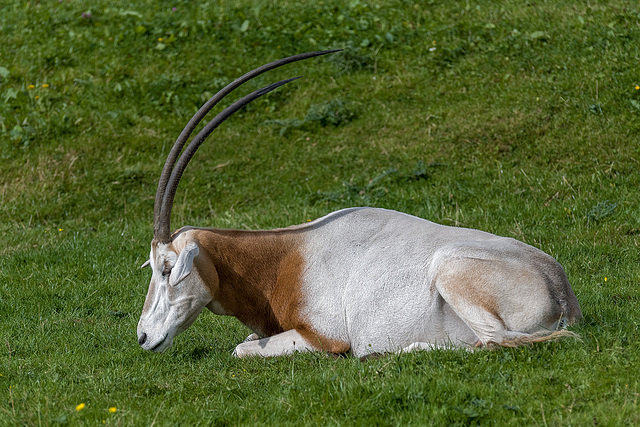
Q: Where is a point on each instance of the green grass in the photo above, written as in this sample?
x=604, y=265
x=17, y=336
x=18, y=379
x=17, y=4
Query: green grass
x=523, y=121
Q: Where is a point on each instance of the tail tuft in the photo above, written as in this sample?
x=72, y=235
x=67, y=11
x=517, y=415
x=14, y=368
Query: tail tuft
x=530, y=339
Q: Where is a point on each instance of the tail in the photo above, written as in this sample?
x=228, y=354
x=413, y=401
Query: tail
x=556, y=332
x=541, y=336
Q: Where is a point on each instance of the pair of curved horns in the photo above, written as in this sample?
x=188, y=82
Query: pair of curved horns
x=174, y=167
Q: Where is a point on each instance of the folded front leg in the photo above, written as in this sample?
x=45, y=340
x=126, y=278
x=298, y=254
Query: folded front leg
x=277, y=345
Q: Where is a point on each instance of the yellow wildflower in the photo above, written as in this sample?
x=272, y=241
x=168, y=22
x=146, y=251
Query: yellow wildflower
x=36, y=97
x=80, y=407
x=112, y=410
x=637, y=87
x=605, y=279
x=160, y=39
x=31, y=86
x=46, y=85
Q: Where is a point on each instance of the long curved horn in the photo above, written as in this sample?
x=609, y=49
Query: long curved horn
x=162, y=210
x=163, y=233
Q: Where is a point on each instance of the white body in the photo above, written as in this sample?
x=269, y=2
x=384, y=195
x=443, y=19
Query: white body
x=363, y=280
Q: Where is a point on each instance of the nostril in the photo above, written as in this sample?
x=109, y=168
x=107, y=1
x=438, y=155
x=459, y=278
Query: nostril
x=142, y=339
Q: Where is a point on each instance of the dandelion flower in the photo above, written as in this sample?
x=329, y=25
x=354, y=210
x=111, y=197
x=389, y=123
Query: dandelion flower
x=46, y=85
x=112, y=410
x=160, y=39
x=637, y=87
x=36, y=97
x=605, y=279
x=80, y=407
x=31, y=86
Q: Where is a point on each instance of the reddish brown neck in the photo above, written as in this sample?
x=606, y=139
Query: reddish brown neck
x=259, y=276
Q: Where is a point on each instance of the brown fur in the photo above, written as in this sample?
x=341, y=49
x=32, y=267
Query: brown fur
x=323, y=343
x=257, y=277
x=467, y=284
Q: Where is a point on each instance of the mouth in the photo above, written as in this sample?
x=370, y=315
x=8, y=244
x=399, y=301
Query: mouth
x=157, y=347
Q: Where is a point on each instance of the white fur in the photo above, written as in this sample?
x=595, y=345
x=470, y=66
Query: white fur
x=378, y=280
x=278, y=345
x=384, y=281
x=183, y=266
x=173, y=301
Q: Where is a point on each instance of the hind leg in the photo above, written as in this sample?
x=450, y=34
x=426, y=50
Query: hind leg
x=503, y=295
x=468, y=286
x=487, y=327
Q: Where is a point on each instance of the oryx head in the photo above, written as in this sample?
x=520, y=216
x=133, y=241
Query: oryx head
x=177, y=292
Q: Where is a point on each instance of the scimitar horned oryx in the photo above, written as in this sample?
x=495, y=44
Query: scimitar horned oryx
x=359, y=280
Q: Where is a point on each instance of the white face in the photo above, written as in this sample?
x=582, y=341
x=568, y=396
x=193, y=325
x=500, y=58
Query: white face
x=175, y=298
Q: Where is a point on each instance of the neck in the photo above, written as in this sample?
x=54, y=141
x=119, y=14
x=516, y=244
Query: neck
x=259, y=276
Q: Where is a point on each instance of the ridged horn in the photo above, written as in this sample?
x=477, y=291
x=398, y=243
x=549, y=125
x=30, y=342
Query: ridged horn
x=172, y=171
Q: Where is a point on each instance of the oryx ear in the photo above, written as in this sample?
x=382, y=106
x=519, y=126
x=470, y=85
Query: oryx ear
x=184, y=264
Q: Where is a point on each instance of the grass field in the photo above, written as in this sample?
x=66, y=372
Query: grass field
x=517, y=118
